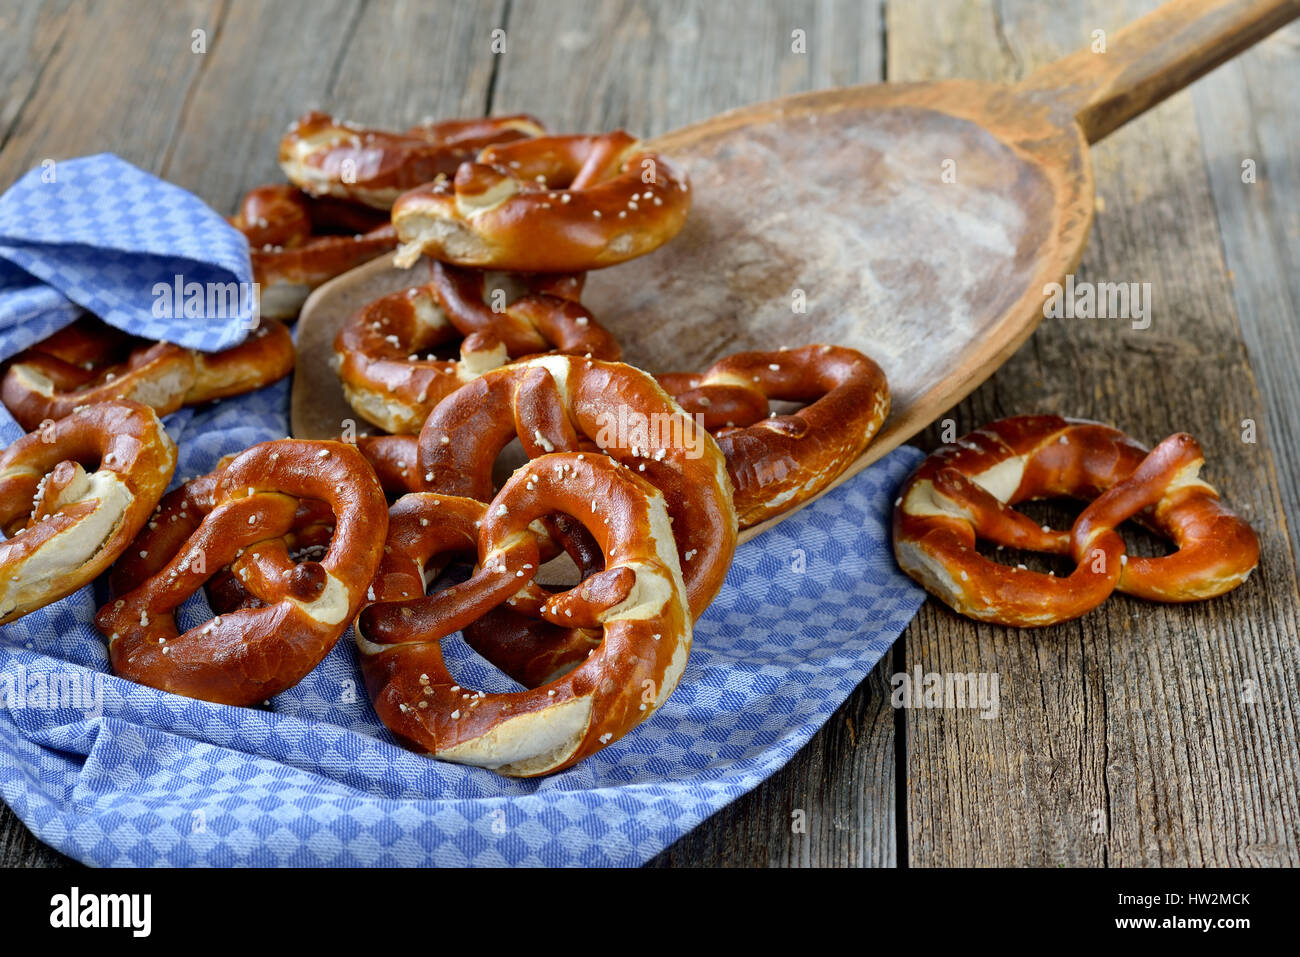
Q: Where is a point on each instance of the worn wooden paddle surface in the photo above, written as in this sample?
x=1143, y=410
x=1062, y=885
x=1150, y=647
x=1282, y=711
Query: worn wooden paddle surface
x=1141, y=734
x=821, y=218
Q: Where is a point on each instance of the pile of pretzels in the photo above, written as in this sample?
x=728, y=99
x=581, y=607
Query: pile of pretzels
x=639, y=484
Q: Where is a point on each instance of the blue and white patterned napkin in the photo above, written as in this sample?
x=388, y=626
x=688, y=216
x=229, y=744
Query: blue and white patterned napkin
x=113, y=773
x=100, y=234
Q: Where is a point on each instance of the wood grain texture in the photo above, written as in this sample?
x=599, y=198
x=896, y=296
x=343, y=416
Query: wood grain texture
x=30, y=36
x=1154, y=57
x=389, y=63
x=653, y=67
x=114, y=77
x=1141, y=734
x=1248, y=109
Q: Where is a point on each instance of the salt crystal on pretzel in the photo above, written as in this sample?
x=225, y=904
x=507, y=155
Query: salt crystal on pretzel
x=638, y=604
x=549, y=204
x=779, y=462
x=247, y=655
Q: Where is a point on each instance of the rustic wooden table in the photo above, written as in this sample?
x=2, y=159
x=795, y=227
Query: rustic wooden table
x=1140, y=735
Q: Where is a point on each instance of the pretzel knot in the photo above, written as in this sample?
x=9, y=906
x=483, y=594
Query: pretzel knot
x=65, y=524
x=377, y=349
x=638, y=604
x=322, y=155
x=777, y=462
x=90, y=361
x=550, y=204
x=297, y=242
x=296, y=611
x=964, y=492
x=179, y=515
x=559, y=403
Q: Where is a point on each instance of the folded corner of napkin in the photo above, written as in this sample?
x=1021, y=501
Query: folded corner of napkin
x=101, y=235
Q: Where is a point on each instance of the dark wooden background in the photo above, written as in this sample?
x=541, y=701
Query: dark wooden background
x=1141, y=735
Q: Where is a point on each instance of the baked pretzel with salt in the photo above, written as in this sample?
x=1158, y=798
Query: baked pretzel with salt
x=90, y=361
x=777, y=462
x=65, y=524
x=326, y=156
x=178, y=517
x=245, y=656
x=638, y=604
x=298, y=242
x=560, y=403
x=965, y=491
x=549, y=204
x=377, y=351
x=395, y=459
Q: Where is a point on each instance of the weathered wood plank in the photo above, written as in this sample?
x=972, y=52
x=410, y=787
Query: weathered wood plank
x=651, y=68
x=119, y=73
x=1142, y=734
x=1247, y=115
x=20, y=848
x=382, y=64
x=595, y=64
x=30, y=35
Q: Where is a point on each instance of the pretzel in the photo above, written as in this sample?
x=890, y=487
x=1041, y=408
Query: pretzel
x=178, y=517
x=389, y=384
x=245, y=656
x=550, y=204
x=66, y=525
x=395, y=461
x=90, y=361
x=297, y=242
x=560, y=403
x=513, y=637
x=322, y=155
x=777, y=462
x=638, y=604
x=964, y=491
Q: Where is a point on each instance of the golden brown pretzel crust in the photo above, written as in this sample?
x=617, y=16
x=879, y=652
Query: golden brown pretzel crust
x=778, y=462
x=297, y=242
x=377, y=351
x=638, y=603
x=395, y=461
x=550, y=204
x=179, y=515
x=322, y=155
x=561, y=403
x=965, y=490
x=90, y=361
x=247, y=655
x=80, y=522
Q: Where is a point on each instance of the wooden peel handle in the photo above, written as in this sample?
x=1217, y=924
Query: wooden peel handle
x=1155, y=57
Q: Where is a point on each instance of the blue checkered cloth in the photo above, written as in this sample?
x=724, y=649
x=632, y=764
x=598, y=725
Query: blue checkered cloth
x=113, y=773
x=97, y=233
